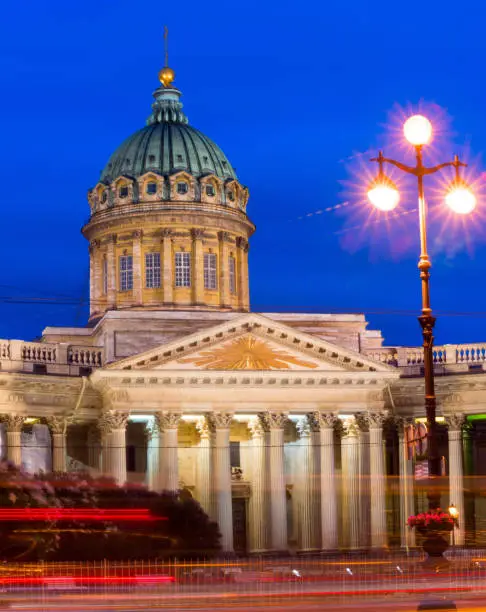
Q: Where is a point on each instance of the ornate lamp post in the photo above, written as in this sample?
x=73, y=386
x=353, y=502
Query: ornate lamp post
x=384, y=194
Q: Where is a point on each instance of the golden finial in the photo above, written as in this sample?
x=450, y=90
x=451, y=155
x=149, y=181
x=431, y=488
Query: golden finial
x=166, y=75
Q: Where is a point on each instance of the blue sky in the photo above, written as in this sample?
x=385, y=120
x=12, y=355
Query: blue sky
x=297, y=94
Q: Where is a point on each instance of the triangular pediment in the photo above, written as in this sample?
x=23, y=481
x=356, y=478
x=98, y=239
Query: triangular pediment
x=250, y=342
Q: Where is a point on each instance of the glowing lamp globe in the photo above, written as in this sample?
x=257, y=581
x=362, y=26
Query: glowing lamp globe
x=461, y=200
x=417, y=130
x=384, y=195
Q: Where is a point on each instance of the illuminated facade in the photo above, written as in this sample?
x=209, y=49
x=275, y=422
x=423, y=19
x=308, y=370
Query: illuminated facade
x=295, y=432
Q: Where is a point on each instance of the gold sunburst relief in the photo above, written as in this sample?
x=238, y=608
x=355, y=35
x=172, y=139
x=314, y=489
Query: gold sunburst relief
x=246, y=353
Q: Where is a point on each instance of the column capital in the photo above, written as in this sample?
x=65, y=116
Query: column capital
x=13, y=422
x=455, y=421
x=57, y=423
x=374, y=420
x=326, y=420
x=197, y=233
x=137, y=233
x=242, y=243
x=275, y=420
x=112, y=239
x=168, y=420
x=221, y=420
x=224, y=236
x=113, y=420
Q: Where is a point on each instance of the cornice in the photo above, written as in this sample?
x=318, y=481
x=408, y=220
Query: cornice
x=172, y=216
x=106, y=379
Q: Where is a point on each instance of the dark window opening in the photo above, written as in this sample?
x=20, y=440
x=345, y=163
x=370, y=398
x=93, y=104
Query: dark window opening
x=182, y=187
x=179, y=158
x=231, y=196
x=151, y=188
x=205, y=159
x=84, y=371
x=39, y=368
x=151, y=158
x=123, y=193
x=131, y=458
x=210, y=190
x=235, y=460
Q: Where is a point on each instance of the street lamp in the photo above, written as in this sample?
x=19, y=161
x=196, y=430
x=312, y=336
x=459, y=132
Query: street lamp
x=384, y=195
x=454, y=512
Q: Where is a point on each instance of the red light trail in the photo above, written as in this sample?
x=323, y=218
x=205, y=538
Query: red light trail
x=77, y=514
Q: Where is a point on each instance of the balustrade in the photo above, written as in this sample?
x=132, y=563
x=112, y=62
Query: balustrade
x=16, y=355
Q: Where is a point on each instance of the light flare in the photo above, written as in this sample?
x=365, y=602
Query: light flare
x=417, y=129
x=384, y=197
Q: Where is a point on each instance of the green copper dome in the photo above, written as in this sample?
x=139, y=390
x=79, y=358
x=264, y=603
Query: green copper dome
x=167, y=144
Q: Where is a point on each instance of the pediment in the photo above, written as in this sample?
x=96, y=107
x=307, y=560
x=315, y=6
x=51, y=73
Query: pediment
x=250, y=342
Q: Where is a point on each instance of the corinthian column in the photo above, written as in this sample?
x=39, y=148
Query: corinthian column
x=257, y=506
x=13, y=425
x=111, y=268
x=243, y=293
x=116, y=422
x=379, y=537
x=137, y=266
x=275, y=422
x=224, y=294
x=198, y=265
x=204, y=466
x=169, y=423
x=308, y=511
x=222, y=478
x=58, y=427
x=350, y=484
x=456, y=472
x=329, y=522
x=167, y=266
x=153, y=459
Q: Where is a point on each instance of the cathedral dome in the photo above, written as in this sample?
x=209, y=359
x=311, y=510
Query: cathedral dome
x=167, y=146
x=168, y=227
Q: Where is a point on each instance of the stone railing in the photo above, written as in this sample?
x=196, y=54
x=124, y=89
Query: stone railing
x=450, y=356
x=46, y=358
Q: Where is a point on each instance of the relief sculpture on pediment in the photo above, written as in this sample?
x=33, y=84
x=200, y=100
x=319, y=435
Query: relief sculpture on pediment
x=246, y=353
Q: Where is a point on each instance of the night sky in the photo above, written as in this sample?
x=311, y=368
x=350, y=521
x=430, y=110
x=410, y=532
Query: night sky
x=298, y=95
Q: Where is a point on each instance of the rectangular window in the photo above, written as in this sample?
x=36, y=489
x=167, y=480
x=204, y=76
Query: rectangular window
x=182, y=269
x=210, y=271
x=235, y=460
x=126, y=273
x=152, y=270
x=232, y=275
x=105, y=276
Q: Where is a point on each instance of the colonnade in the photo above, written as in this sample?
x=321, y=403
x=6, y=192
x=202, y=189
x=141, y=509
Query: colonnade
x=331, y=509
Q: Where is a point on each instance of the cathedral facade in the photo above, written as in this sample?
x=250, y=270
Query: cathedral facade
x=295, y=432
